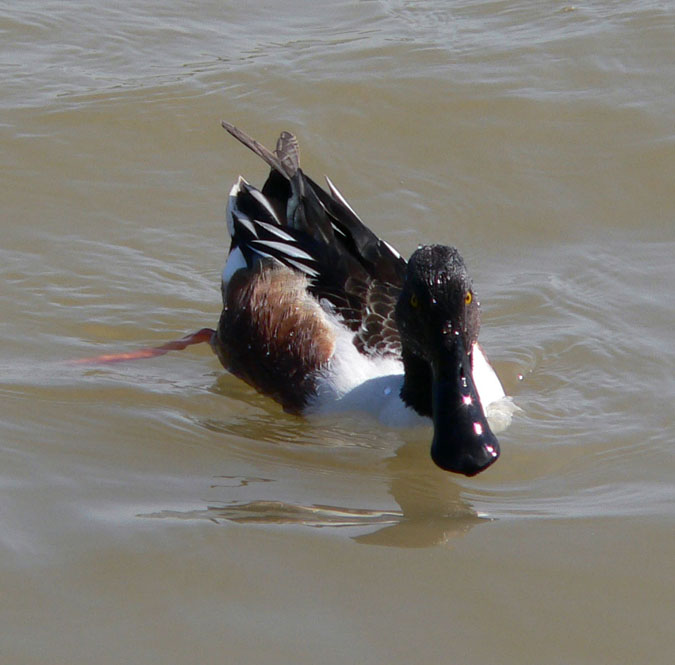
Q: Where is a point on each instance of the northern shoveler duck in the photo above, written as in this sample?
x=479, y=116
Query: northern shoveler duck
x=319, y=313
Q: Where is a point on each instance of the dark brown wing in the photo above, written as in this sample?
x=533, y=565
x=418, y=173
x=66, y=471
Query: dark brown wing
x=359, y=276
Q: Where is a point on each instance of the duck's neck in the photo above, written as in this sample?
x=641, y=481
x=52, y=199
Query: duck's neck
x=416, y=390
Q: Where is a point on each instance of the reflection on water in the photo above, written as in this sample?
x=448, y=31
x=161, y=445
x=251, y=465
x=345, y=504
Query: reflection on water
x=431, y=511
x=278, y=512
x=394, y=528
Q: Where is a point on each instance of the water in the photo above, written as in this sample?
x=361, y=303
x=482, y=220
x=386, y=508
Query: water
x=162, y=512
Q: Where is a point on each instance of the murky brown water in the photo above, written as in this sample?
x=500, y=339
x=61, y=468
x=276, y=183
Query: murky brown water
x=160, y=511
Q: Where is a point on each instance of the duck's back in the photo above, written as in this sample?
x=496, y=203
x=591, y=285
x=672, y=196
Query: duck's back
x=305, y=279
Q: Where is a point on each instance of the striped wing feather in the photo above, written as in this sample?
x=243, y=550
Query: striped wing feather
x=295, y=221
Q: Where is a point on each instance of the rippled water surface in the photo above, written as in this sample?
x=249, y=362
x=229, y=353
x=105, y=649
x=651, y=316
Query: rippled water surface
x=162, y=512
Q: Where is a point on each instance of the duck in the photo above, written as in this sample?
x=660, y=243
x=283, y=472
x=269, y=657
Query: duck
x=320, y=314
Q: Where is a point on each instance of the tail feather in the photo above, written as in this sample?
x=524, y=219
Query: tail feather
x=288, y=153
x=304, y=205
x=270, y=158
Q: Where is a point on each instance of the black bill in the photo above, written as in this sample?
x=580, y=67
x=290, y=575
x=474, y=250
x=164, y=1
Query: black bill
x=463, y=441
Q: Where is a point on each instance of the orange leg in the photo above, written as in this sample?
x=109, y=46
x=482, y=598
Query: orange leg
x=203, y=335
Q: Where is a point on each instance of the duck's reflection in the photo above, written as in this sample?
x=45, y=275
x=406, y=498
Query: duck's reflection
x=430, y=509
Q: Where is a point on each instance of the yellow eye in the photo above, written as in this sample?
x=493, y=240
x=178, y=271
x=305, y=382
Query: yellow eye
x=468, y=298
x=414, y=301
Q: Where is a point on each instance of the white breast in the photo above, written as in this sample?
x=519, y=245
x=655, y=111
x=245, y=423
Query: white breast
x=487, y=382
x=355, y=382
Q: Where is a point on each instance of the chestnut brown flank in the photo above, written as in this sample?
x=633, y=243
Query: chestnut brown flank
x=273, y=334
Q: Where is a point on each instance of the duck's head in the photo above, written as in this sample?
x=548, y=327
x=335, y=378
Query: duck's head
x=438, y=317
